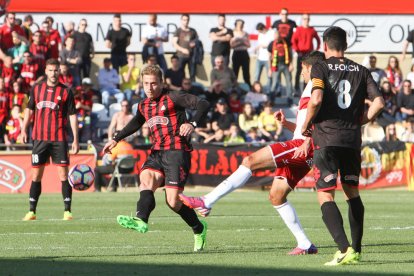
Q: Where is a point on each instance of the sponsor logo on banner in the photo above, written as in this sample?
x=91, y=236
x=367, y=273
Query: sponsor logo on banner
x=11, y=176
x=370, y=166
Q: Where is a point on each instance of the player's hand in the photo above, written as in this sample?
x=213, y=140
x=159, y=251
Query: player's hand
x=280, y=116
x=109, y=146
x=186, y=129
x=303, y=150
x=24, y=136
x=75, y=147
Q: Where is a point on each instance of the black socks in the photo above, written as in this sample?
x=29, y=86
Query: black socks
x=67, y=195
x=356, y=221
x=190, y=217
x=333, y=221
x=35, y=191
x=145, y=205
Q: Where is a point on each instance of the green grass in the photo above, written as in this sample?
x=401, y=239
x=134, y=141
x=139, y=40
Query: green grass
x=245, y=237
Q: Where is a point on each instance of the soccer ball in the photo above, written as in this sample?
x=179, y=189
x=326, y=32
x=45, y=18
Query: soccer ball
x=81, y=177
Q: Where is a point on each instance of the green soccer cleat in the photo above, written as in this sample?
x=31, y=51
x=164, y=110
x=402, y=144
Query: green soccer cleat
x=200, y=239
x=67, y=215
x=349, y=257
x=357, y=259
x=133, y=223
x=30, y=216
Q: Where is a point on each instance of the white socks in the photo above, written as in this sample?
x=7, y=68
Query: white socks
x=288, y=214
x=236, y=180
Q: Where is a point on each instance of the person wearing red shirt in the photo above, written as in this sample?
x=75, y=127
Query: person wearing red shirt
x=302, y=43
x=29, y=71
x=39, y=51
x=52, y=39
x=65, y=76
x=83, y=104
x=8, y=72
x=6, y=30
x=4, y=107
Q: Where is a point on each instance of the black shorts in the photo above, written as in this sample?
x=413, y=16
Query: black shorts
x=328, y=161
x=174, y=165
x=43, y=150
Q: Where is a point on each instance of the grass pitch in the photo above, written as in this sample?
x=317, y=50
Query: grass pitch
x=246, y=237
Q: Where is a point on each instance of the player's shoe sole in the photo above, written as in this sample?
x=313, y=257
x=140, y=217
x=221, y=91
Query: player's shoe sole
x=132, y=223
x=299, y=251
x=30, y=216
x=200, y=239
x=349, y=257
x=67, y=215
x=196, y=203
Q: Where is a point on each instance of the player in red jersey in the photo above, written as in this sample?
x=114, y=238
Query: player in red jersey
x=168, y=164
x=292, y=161
x=50, y=103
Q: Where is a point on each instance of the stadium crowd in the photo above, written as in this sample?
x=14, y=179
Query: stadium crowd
x=239, y=112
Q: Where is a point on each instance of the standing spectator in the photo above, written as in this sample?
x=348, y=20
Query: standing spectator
x=394, y=74
x=174, y=76
x=153, y=36
x=285, y=26
x=221, y=36
x=410, y=39
x=377, y=73
x=120, y=119
x=130, y=78
x=72, y=58
x=7, y=29
x=240, y=58
x=7, y=72
x=410, y=76
x=27, y=24
x=29, y=72
x=65, y=77
x=39, y=51
x=51, y=39
x=262, y=60
x=84, y=45
x=108, y=79
x=117, y=39
x=405, y=102
x=269, y=127
x=50, y=136
x=280, y=62
x=184, y=42
x=68, y=29
x=221, y=72
x=302, y=43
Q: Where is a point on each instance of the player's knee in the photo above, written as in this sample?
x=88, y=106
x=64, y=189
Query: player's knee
x=277, y=197
x=248, y=161
x=174, y=203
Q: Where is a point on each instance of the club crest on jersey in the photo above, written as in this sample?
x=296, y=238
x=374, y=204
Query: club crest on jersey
x=158, y=120
x=47, y=104
x=163, y=108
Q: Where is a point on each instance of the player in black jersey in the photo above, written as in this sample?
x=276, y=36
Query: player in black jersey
x=168, y=164
x=336, y=111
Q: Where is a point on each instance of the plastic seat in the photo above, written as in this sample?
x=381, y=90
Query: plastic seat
x=134, y=109
x=124, y=167
x=114, y=108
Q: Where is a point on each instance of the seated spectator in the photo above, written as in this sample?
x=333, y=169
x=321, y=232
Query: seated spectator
x=151, y=60
x=144, y=137
x=215, y=93
x=130, y=78
x=254, y=137
x=39, y=51
x=408, y=134
x=65, y=76
x=394, y=74
x=248, y=119
x=390, y=133
x=377, y=74
x=83, y=104
x=14, y=127
x=188, y=87
x=224, y=74
x=174, y=76
x=120, y=119
x=256, y=97
x=29, y=72
x=233, y=136
x=270, y=128
x=17, y=51
x=72, y=58
x=387, y=116
x=216, y=137
x=235, y=103
x=405, y=103
x=4, y=109
x=8, y=73
x=108, y=83
x=222, y=118
x=18, y=97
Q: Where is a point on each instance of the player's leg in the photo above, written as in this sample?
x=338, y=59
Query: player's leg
x=60, y=157
x=177, y=166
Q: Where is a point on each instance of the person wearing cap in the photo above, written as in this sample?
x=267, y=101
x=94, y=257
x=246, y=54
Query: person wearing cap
x=108, y=79
x=222, y=118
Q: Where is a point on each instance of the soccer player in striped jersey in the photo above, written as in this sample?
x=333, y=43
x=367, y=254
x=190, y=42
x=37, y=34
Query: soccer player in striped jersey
x=168, y=165
x=292, y=161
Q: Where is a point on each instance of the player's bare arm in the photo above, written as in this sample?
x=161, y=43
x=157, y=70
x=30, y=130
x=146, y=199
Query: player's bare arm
x=27, y=115
x=280, y=116
x=374, y=110
x=74, y=126
x=314, y=105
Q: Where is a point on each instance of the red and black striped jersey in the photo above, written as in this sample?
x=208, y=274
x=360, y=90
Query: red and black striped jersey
x=164, y=116
x=51, y=106
x=4, y=105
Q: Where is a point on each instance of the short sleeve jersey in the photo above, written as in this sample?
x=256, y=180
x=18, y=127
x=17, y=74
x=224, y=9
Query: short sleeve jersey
x=345, y=85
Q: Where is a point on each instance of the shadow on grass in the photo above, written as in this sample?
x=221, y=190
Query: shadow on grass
x=53, y=266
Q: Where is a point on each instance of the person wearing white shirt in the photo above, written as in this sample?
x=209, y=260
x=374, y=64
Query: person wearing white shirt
x=108, y=79
x=264, y=38
x=153, y=36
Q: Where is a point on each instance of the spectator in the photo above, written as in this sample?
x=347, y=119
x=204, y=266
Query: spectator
x=29, y=72
x=84, y=45
x=27, y=24
x=72, y=58
x=280, y=62
x=302, y=42
x=4, y=108
x=269, y=127
x=240, y=58
x=87, y=86
x=68, y=29
x=256, y=97
x=7, y=29
x=410, y=39
x=235, y=103
x=144, y=137
x=224, y=74
x=234, y=136
x=65, y=76
x=391, y=133
x=120, y=119
x=117, y=39
x=8, y=73
x=187, y=86
x=108, y=79
x=387, y=116
x=39, y=51
x=17, y=51
x=174, y=76
x=262, y=59
x=285, y=26
x=405, y=102
x=51, y=38
x=83, y=104
x=221, y=36
x=408, y=134
x=248, y=119
x=254, y=137
x=222, y=118
x=130, y=78
x=215, y=93
x=184, y=42
x=410, y=76
x=216, y=137
x=153, y=36
x=18, y=97
x=394, y=74
x=14, y=127
x=377, y=74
